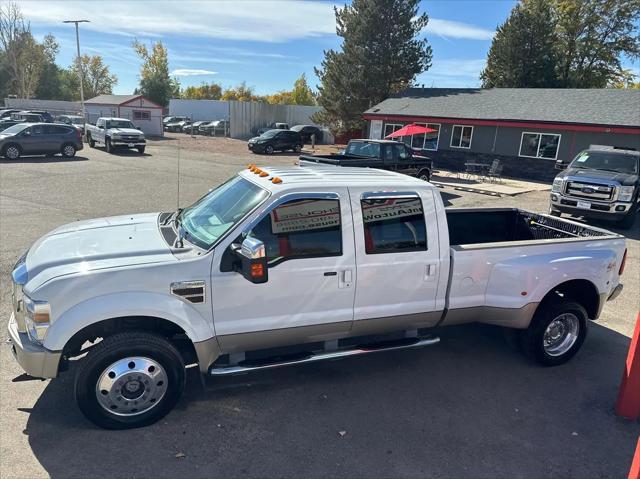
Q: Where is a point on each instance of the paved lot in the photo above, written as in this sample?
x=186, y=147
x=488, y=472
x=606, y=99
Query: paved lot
x=471, y=406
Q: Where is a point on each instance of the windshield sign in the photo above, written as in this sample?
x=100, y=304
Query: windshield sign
x=213, y=215
x=603, y=160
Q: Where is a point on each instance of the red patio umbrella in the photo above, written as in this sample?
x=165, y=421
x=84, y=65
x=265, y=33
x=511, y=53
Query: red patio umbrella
x=411, y=129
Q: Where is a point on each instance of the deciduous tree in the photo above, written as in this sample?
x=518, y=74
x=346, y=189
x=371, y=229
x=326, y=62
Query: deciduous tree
x=210, y=91
x=97, y=79
x=382, y=51
x=241, y=92
x=155, y=82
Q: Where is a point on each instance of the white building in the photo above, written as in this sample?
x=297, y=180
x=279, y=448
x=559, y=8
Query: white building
x=145, y=115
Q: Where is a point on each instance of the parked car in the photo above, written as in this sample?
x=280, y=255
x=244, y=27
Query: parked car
x=600, y=183
x=276, y=140
x=327, y=262
x=307, y=131
x=382, y=154
x=28, y=117
x=7, y=113
x=40, y=139
x=73, y=120
x=193, y=127
x=46, y=116
x=215, y=128
x=176, y=123
x=7, y=122
x=115, y=133
x=272, y=126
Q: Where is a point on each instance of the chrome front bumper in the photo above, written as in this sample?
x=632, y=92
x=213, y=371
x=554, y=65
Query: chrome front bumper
x=36, y=360
x=126, y=143
x=569, y=204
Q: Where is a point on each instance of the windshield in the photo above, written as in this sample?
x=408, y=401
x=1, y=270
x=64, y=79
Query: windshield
x=217, y=212
x=604, y=160
x=120, y=124
x=15, y=128
x=361, y=148
x=297, y=127
x=270, y=133
x=76, y=120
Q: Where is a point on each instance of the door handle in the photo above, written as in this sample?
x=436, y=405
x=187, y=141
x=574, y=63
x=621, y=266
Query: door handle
x=345, y=279
x=331, y=273
x=430, y=272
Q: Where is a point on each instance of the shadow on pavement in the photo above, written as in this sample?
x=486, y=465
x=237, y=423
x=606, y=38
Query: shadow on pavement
x=44, y=159
x=471, y=406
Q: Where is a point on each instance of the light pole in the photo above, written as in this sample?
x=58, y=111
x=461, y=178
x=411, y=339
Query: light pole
x=80, y=74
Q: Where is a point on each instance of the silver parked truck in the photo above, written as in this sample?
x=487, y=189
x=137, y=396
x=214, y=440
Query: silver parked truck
x=291, y=265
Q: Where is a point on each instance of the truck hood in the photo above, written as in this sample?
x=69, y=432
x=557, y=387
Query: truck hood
x=625, y=179
x=126, y=131
x=97, y=244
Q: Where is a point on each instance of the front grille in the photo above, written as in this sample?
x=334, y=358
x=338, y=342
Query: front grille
x=131, y=138
x=589, y=191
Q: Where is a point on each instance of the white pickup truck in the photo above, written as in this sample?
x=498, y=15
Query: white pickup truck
x=289, y=265
x=115, y=133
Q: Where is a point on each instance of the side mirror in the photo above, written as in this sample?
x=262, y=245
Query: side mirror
x=253, y=258
x=561, y=165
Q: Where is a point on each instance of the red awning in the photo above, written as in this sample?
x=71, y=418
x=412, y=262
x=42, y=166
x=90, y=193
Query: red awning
x=411, y=129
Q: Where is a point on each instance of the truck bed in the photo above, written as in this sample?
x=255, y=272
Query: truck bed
x=343, y=160
x=501, y=225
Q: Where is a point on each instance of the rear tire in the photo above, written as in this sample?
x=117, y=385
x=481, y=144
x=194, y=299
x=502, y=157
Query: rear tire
x=556, y=333
x=12, y=152
x=297, y=148
x=68, y=150
x=129, y=380
x=630, y=218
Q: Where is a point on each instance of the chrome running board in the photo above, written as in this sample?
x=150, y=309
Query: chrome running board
x=247, y=366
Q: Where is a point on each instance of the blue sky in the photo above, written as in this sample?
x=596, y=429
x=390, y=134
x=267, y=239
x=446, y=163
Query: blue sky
x=267, y=43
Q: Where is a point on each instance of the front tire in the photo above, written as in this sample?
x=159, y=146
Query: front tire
x=556, y=333
x=107, y=145
x=92, y=143
x=424, y=175
x=129, y=380
x=12, y=152
x=141, y=149
x=268, y=150
x=630, y=218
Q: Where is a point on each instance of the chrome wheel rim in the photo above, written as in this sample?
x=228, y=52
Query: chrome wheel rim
x=68, y=150
x=131, y=386
x=269, y=149
x=424, y=178
x=12, y=153
x=561, y=334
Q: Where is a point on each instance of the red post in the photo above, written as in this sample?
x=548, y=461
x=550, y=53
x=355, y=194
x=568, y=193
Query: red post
x=634, y=473
x=628, y=404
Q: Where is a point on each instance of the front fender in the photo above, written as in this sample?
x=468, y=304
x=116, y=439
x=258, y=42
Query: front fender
x=135, y=303
x=528, y=278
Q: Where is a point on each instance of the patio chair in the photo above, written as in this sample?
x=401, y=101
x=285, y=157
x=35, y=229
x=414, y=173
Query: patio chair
x=495, y=171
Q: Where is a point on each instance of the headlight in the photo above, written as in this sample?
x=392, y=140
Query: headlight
x=37, y=317
x=626, y=193
x=557, y=185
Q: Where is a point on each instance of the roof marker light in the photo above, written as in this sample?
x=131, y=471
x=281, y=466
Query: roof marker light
x=263, y=174
x=276, y=180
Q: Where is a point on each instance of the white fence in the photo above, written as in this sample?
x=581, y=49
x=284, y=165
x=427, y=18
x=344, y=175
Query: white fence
x=199, y=110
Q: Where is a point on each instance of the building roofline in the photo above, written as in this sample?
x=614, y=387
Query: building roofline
x=586, y=127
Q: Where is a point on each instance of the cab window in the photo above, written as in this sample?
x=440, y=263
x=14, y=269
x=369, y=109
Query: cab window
x=393, y=225
x=308, y=228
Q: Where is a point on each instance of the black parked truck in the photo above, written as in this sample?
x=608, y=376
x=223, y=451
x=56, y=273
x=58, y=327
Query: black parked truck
x=601, y=183
x=381, y=154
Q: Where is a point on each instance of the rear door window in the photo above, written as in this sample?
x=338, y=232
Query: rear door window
x=393, y=225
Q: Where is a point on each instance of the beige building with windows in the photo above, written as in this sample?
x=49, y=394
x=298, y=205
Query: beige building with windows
x=145, y=115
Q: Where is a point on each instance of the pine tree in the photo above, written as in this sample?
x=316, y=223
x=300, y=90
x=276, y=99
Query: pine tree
x=381, y=54
x=522, y=54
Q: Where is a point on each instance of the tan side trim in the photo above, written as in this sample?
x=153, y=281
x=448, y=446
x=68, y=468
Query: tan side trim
x=271, y=338
x=517, y=318
x=207, y=352
x=363, y=327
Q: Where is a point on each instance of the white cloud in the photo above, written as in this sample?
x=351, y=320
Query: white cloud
x=191, y=72
x=262, y=21
x=451, y=29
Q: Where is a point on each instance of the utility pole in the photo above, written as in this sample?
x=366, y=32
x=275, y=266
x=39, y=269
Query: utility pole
x=80, y=74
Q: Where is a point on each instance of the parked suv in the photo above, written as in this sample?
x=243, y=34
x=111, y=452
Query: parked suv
x=601, y=183
x=215, y=128
x=72, y=120
x=276, y=140
x=40, y=139
x=272, y=126
x=307, y=131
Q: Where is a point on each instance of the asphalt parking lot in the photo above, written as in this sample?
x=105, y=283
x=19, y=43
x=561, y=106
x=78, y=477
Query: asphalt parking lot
x=471, y=406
